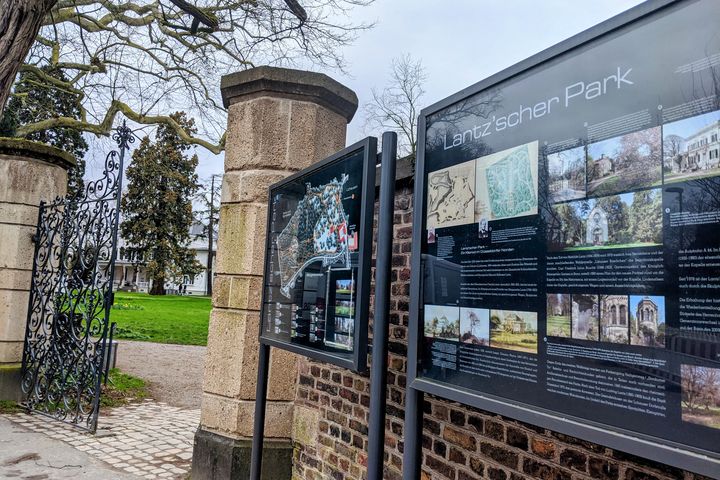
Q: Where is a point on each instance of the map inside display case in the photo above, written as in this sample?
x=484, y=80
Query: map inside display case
x=315, y=297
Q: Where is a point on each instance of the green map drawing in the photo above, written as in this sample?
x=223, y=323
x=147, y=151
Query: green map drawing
x=317, y=231
x=510, y=184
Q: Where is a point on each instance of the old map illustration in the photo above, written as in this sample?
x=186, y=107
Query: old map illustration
x=451, y=196
x=317, y=232
x=507, y=183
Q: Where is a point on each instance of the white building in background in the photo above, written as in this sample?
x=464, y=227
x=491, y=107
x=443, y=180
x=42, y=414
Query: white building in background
x=700, y=151
x=131, y=278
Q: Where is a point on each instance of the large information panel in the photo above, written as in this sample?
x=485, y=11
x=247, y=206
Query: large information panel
x=570, y=246
x=317, y=267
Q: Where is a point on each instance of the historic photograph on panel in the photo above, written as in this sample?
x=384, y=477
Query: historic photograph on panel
x=507, y=183
x=585, y=314
x=625, y=163
x=451, y=196
x=559, y=307
x=475, y=326
x=647, y=320
x=691, y=148
x=442, y=322
x=617, y=221
x=566, y=174
x=701, y=395
x=513, y=330
x=614, y=324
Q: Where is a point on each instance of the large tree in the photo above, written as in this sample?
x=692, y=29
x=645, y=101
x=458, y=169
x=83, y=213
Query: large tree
x=397, y=106
x=157, y=207
x=144, y=58
x=208, y=215
x=34, y=101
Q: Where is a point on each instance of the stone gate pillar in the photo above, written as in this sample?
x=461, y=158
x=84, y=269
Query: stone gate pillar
x=279, y=121
x=30, y=172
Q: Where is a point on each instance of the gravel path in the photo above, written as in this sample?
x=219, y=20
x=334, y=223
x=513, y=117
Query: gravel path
x=174, y=372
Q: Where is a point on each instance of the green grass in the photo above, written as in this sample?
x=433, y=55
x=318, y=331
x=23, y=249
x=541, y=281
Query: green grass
x=608, y=247
x=8, y=406
x=122, y=389
x=558, y=326
x=164, y=319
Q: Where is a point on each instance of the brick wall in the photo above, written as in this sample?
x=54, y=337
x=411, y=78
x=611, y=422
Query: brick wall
x=459, y=443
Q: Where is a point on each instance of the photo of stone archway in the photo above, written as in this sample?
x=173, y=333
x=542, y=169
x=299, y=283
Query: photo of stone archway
x=623, y=163
x=614, y=319
x=647, y=320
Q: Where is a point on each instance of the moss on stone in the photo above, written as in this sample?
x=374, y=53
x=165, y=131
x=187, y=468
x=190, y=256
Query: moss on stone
x=37, y=150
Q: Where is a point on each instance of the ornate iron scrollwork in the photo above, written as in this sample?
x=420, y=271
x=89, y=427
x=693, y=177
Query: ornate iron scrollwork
x=68, y=321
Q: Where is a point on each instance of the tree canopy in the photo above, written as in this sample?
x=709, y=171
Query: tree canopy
x=144, y=58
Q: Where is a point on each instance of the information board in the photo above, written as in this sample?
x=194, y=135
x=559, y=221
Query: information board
x=317, y=268
x=567, y=268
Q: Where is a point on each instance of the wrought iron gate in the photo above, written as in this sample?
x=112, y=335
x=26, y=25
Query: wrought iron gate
x=66, y=356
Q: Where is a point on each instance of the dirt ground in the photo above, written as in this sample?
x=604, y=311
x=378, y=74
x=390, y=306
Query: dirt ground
x=174, y=373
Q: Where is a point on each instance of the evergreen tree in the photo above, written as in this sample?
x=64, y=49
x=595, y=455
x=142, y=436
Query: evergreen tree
x=34, y=101
x=157, y=207
x=646, y=216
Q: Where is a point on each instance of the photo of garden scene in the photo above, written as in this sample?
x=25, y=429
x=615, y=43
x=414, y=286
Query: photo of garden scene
x=513, y=330
x=691, y=148
x=475, y=326
x=442, y=322
x=559, y=308
x=617, y=221
x=566, y=174
x=625, y=163
x=584, y=317
x=647, y=320
x=701, y=395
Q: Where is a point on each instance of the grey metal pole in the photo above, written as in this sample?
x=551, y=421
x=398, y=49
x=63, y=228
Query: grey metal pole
x=378, y=368
x=260, y=401
x=412, y=434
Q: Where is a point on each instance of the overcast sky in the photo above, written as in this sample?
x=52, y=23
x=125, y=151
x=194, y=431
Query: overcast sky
x=460, y=42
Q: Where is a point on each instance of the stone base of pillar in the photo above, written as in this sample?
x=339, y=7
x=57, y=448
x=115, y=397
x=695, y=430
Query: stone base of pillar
x=216, y=457
x=10, y=382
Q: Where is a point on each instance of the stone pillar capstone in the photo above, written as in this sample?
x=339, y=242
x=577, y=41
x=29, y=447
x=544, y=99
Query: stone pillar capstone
x=30, y=172
x=279, y=121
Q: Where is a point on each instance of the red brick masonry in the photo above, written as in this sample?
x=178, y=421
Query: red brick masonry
x=459, y=443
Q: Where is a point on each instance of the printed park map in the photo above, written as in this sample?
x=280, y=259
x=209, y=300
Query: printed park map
x=317, y=232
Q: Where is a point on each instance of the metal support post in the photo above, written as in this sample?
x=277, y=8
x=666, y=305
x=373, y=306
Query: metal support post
x=378, y=368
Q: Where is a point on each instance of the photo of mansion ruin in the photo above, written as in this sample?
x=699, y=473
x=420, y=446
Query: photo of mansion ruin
x=691, y=147
x=623, y=163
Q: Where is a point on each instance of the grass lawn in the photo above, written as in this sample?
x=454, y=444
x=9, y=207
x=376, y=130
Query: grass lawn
x=122, y=389
x=521, y=342
x=558, y=326
x=608, y=247
x=163, y=319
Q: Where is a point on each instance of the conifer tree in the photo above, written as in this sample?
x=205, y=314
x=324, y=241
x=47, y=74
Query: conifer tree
x=157, y=207
x=34, y=101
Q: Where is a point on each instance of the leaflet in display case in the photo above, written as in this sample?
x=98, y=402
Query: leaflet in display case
x=317, y=268
x=566, y=262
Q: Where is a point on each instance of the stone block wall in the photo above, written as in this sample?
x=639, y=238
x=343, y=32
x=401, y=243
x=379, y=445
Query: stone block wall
x=459, y=443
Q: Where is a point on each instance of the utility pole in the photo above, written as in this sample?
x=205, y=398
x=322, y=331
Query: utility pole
x=211, y=218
